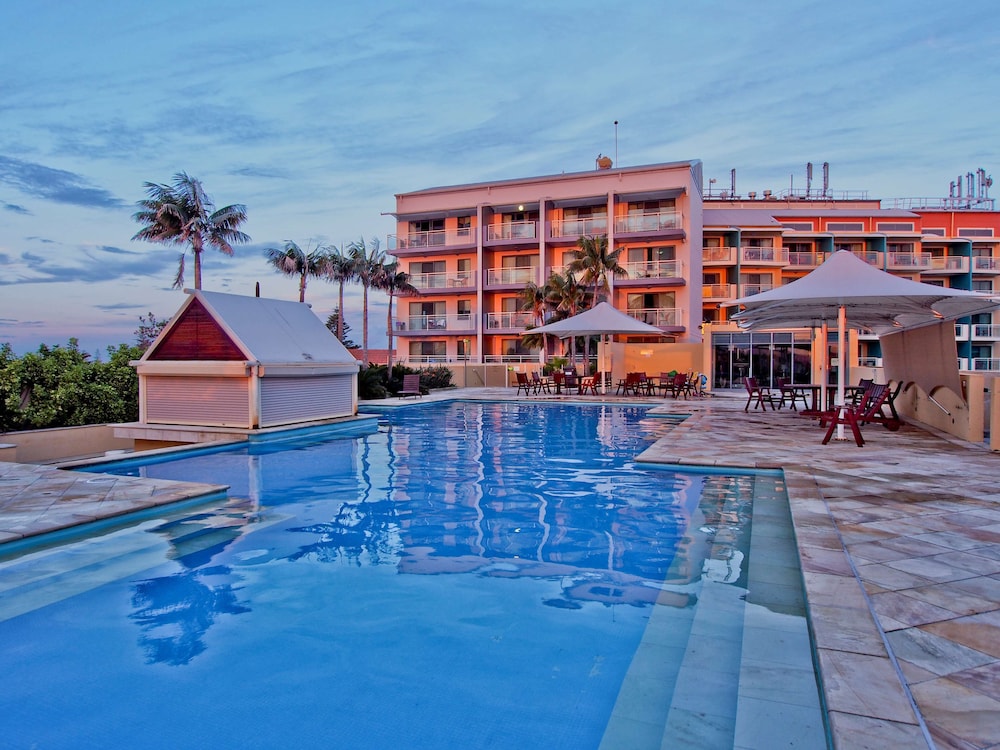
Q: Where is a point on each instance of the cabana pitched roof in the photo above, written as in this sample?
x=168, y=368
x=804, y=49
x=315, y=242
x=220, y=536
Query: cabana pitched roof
x=214, y=325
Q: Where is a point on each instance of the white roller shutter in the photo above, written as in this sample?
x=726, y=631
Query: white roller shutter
x=285, y=400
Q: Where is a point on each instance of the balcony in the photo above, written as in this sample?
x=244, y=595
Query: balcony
x=798, y=259
x=748, y=290
x=512, y=231
x=652, y=269
x=718, y=292
x=511, y=276
x=459, y=323
x=986, y=331
x=429, y=283
x=764, y=256
x=576, y=228
x=718, y=256
x=961, y=331
x=987, y=364
x=985, y=264
x=661, y=317
x=905, y=261
x=871, y=257
x=948, y=264
x=654, y=222
x=511, y=321
x=416, y=242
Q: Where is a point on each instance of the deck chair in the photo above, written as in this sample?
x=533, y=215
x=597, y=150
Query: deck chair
x=869, y=409
x=758, y=395
x=524, y=384
x=411, y=386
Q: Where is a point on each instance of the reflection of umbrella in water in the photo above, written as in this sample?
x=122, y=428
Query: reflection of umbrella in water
x=857, y=295
x=602, y=320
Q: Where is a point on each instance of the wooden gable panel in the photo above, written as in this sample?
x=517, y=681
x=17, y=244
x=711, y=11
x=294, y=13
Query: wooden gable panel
x=196, y=336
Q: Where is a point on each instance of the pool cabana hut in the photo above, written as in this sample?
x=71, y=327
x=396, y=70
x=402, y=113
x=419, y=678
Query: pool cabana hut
x=226, y=360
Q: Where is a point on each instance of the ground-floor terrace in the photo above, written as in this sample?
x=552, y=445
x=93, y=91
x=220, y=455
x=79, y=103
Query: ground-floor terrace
x=899, y=544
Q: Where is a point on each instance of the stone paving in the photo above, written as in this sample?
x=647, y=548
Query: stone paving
x=899, y=543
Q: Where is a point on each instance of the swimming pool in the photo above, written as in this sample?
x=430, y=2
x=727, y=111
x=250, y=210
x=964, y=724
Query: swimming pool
x=467, y=575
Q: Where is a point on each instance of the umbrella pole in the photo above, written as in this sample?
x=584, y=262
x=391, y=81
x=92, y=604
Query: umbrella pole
x=841, y=369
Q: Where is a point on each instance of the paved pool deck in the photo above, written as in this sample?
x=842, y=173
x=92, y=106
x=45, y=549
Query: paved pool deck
x=899, y=543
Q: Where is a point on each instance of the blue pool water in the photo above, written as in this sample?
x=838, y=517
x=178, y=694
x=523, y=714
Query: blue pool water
x=463, y=576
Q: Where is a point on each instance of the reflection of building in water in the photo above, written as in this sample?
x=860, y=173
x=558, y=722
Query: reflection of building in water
x=510, y=493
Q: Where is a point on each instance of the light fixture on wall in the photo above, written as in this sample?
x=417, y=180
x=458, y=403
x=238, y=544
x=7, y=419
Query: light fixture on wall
x=646, y=352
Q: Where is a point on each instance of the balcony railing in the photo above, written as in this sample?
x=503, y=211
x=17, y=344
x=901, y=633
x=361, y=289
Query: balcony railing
x=718, y=255
x=985, y=264
x=662, y=317
x=985, y=331
x=579, y=227
x=428, y=282
x=653, y=269
x=905, y=261
x=799, y=259
x=515, y=320
x=764, y=255
x=435, y=238
x=749, y=289
x=871, y=257
x=656, y=221
x=961, y=332
x=512, y=230
x=946, y=264
x=438, y=323
x=986, y=363
x=498, y=276
x=718, y=291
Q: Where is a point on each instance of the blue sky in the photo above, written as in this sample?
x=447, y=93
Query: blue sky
x=316, y=114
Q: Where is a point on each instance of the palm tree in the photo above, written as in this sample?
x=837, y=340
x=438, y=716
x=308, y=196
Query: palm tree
x=567, y=296
x=535, y=299
x=183, y=214
x=293, y=261
x=595, y=265
x=394, y=282
x=340, y=269
x=366, y=262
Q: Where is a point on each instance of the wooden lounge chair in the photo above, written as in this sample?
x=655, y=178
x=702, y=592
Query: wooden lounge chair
x=524, y=384
x=411, y=386
x=869, y=409
x=758, y=395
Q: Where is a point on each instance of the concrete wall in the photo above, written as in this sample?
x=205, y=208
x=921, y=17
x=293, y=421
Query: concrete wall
x=41, y=446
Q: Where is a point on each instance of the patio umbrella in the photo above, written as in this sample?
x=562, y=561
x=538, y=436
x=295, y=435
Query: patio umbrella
x=602, y=320
x=857, y=295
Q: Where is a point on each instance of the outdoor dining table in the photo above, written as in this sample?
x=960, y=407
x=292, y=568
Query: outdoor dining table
x=801, y=390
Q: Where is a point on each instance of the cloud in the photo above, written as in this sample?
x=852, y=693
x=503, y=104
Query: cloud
x=15, y=208
x=97, y=264
x=56, y=185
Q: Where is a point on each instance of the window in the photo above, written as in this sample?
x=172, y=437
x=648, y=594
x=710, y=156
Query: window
x=651, y=254
x=934, y=231
x=975, y=232
x=435, y=266
x=465, y=308
x=428, y=349
x=464, y=226
x=517, y=261
x=845, y=226
x=799, y=226
x=464, y=265
x=894, y=226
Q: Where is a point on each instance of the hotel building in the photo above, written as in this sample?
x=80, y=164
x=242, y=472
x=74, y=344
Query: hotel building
x=471, y=250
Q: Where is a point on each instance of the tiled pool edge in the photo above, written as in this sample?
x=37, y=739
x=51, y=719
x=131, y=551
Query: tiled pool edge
x=866, y=699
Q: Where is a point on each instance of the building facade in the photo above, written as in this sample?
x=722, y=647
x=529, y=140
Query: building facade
x=471, y=250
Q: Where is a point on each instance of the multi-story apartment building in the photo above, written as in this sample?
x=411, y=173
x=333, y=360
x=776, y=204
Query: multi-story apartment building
x=471, y=249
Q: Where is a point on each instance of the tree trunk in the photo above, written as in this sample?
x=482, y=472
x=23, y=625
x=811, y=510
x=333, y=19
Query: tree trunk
x=197, y=267
x=388, y=322
x=364, y=330
x=340, y=314
x=302, y=287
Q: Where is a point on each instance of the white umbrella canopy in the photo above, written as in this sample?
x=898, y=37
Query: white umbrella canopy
x=603, y=319
x=857, y=295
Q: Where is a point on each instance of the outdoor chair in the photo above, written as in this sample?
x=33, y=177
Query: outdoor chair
x=588, y=384
x=679, y=385
x=868, y=409
x=524, y=384
x=411, y=386
x=541, y=384
x=758, y=395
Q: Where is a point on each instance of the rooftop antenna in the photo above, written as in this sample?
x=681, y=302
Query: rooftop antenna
x=616, y=141
x=809, y=177
x=826, y=179
x=257, y=291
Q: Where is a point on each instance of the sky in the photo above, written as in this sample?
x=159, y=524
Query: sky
x=314, y=115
